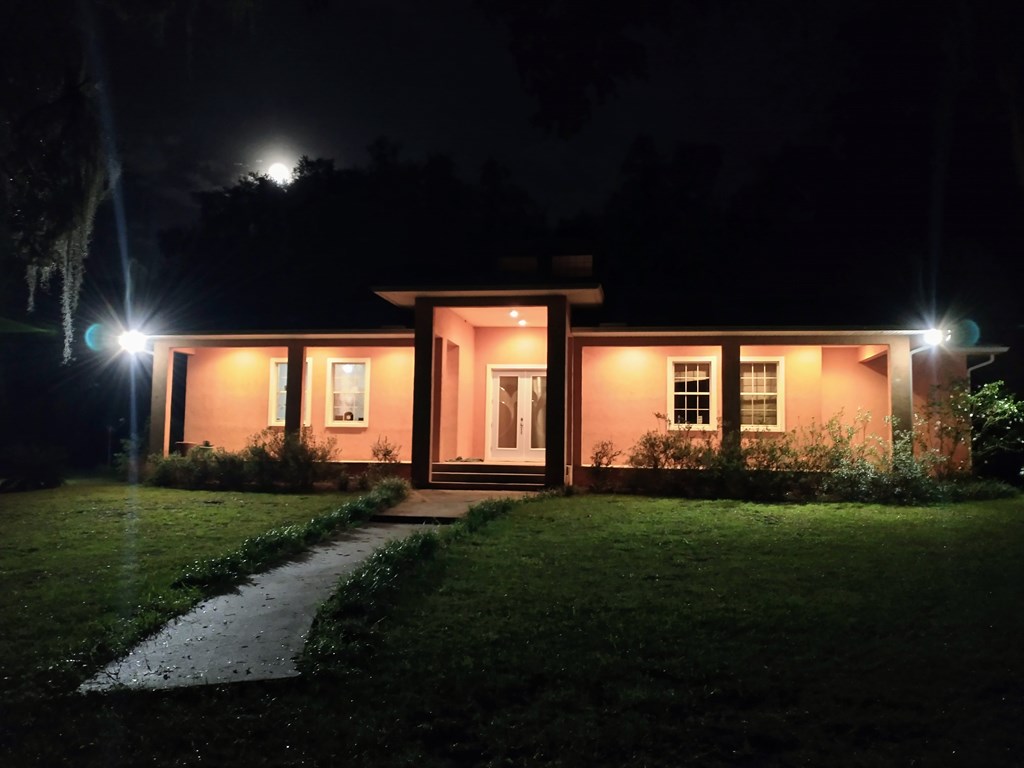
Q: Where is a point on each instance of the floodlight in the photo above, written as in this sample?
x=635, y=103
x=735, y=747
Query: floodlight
x=132, y=342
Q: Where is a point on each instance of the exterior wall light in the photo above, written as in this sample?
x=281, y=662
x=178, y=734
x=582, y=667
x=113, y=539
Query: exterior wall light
x=132, y=342
x=935, y=336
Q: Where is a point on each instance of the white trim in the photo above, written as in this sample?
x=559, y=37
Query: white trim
x=780, y=394
x=329, y=419
x=307, y=398
x=713, y=414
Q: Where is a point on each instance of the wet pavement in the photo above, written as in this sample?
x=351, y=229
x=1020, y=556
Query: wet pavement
x=256, y=631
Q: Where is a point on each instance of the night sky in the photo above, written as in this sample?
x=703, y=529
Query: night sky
x=840, y=170
x=728, y=163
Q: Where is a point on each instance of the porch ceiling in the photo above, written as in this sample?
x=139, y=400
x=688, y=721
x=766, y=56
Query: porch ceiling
x=499, y=317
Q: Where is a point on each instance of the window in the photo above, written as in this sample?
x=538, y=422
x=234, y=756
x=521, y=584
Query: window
x=761, y=404
x=279, y=392
x=692, y=393
x=348, y=392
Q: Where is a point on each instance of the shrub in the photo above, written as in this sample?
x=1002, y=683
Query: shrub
x=668, y=448
x=978, y=490
x=271, y=461
x=386, y=454
x=900, y=477
x=292, y=461
x=603, y=455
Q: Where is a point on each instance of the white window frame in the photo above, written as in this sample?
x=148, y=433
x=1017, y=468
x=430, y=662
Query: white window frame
x=307, y=399
x=329, y=419
x=780, y=394
x=712, y=424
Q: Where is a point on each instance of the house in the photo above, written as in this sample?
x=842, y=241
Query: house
x=498, y=386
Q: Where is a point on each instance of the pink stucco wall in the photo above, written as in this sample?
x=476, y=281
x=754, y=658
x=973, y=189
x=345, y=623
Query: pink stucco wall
x=622, y=387
x=227, y=399
x=852, y=388
x=228, y=393
x=450, y=327
x=501, y=346
x=938, y=367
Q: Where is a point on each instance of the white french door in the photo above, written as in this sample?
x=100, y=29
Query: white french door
x=518, y=404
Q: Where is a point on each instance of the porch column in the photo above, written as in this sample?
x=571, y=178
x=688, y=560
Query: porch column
x=293, y=391
x=422, y=384
x=558, y=341
x=160, y=400
x=731, y=419
x=901, y=384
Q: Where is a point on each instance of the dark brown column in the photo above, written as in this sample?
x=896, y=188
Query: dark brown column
x=422, y=395
x=558, y=341
x=730, y=394
x=293, y=395
x=901, y=384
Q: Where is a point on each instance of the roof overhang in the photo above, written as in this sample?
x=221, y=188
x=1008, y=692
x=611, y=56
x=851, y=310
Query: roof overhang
x=284, y=338
x=611, y=330
x=578, y=296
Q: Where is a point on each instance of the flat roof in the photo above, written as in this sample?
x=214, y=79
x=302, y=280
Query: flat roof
x=589, y=295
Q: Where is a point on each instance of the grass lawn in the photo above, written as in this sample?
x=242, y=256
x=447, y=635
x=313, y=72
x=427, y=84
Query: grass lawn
x=623, y=631
x=89, y=564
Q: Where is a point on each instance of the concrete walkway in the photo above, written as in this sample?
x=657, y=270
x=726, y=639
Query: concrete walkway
x=256, y=631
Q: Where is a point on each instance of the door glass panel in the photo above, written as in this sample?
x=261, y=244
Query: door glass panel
x=508, y=411
x=538, y=411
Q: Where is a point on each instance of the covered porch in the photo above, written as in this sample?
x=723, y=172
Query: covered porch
x=490, y=392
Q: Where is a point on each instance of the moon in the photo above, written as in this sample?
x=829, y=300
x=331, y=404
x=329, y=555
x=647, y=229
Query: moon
x=279, y=173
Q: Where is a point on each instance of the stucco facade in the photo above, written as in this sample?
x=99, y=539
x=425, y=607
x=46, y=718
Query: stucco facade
x=503, y=377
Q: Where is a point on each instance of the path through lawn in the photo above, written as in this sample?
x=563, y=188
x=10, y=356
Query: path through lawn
x=610, y=631
x=87, y=564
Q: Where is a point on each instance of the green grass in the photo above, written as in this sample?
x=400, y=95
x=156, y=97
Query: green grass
x=86, y=567
x=624, y=631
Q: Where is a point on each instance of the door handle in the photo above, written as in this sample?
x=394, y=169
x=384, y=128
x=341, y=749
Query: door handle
x=520, y=425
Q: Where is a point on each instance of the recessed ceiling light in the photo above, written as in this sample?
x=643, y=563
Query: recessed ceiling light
x=522, y=323
x=514, y=313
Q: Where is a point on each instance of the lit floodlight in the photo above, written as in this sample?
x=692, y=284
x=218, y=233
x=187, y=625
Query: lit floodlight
x=132, y=342
x=934, y=336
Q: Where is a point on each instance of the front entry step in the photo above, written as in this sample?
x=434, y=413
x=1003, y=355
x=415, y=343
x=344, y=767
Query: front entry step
x=480, y=476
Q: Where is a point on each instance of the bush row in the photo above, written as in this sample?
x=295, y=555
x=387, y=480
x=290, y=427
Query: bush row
x=346, y=629
x=257, y=552
x=831, y=461
x=271, y=461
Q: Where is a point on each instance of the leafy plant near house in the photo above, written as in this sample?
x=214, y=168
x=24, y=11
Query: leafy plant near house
x=386, y=454
x=665, y=448
x=271, y=461
x=603, y=455
x=833, y=460
x=384, y=451
x=294, y=461
x=989, y=419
